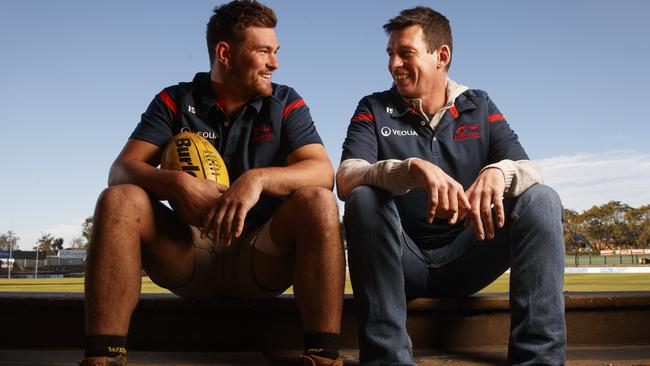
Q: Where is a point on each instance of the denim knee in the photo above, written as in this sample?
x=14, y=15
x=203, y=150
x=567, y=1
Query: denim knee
x=371, y=218
x=539, y=201
x=538, y=211
x=364, y=197
x=363, y=203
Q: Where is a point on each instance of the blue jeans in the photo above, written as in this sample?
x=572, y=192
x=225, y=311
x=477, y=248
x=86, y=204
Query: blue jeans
x=387, y=267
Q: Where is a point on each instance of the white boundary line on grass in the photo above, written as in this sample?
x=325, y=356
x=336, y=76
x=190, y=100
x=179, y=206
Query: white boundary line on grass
x=607, y=270
x=603, y=270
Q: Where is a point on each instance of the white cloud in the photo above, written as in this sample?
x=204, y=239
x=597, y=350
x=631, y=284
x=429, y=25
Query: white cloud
x=67, y=231
x=587, y=179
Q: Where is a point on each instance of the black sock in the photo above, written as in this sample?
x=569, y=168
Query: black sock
x=105, y=346
x=322, y=345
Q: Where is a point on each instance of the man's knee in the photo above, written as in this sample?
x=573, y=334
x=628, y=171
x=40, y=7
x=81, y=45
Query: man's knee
x=314, y=203
x=366, y=197
x=120, y=211
x=541, y=199
x=538, y=211
x=371, y=221
x=125, y=208
x=365, y=202
x=123, y=197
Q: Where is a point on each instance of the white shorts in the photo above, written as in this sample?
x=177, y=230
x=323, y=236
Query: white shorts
x=228, y=272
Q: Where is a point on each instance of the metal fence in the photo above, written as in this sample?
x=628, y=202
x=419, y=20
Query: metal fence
x=585, y=260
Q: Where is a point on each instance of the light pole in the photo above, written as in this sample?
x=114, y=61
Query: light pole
x=9, y=264
x=36, y=268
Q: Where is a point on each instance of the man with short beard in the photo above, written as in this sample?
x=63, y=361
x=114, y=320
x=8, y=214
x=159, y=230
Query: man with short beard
x=275, y=226
x=420, y=160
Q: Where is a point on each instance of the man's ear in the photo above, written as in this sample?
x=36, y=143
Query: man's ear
x=223, y=52
x=444, y=56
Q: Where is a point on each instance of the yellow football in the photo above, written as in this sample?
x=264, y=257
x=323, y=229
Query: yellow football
x=195, y=156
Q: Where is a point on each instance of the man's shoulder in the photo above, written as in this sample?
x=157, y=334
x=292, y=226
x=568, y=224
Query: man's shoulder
x=283, y=94
x=478, y=96
x=475, y=93
x=381, y=95
x=381, y=98
x=188, y=87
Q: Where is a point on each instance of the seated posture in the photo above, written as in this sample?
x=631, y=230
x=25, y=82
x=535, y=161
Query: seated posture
x=277, y=224
x=441, y=199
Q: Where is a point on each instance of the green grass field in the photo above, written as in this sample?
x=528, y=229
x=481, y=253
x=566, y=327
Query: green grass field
x=573, y=282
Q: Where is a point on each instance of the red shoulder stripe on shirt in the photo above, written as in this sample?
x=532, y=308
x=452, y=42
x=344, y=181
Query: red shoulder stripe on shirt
x=453, y=111
x=495, y=117
x=169, y=102
x=363, y=117
x=292, y=106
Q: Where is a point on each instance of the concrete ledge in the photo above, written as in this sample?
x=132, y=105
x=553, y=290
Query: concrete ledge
x=166, y=322
x=476, y=356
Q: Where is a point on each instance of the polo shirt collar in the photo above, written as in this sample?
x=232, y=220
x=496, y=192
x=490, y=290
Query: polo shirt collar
x=401, y=107
x=455, y=97
x=204, y=95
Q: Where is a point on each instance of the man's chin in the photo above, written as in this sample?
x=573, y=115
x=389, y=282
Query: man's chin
x=405, y=92
x=263, y=90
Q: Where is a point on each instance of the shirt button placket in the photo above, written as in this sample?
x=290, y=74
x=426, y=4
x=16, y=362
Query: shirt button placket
x=434, y=145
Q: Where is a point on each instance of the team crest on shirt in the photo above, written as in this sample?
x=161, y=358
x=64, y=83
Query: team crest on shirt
x=464, y=132
x=263, y=133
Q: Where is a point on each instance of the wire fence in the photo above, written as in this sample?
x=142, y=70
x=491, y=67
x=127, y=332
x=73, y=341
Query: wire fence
x=586, y=260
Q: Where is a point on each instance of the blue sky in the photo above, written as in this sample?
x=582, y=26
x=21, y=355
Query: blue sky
x=571, y=77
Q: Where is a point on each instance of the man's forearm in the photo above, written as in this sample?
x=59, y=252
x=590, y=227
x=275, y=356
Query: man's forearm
x=159, y=182
x=519, y=175
x=282, y=181
x=391, y=175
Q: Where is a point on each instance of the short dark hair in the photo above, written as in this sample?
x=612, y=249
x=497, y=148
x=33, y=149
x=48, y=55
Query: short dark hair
x=230, y=20
x=435, y=26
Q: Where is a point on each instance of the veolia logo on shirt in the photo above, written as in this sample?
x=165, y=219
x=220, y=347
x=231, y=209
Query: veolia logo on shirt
x=387, y=131
x=212, y=135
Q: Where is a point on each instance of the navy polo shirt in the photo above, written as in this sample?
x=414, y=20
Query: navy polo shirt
x=470, y=135
x=264, y=133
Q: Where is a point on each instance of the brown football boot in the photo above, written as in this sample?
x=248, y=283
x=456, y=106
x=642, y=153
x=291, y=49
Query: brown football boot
x=104, y=361
x=313, y=360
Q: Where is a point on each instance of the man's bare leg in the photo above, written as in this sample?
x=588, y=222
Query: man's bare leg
x=130, y=228
x=307, y=224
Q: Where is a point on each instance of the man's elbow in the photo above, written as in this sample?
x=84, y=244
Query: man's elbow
x=341, y=186
x=324, y=173
x=114, y=173
x=328, y=181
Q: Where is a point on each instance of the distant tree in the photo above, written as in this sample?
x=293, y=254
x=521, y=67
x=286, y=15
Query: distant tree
x=86, y=230
x=609, y=226
x=639, y=220
x=606, y=224
x=9, y=240
x=57, y=244
x=78, y=243
x=48, y=243
x=573, y=231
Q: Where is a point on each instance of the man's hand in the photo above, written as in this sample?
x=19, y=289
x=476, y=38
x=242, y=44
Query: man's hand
x=194, y=197
x=225, y=220
x=447, y=198
x=486, y=191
